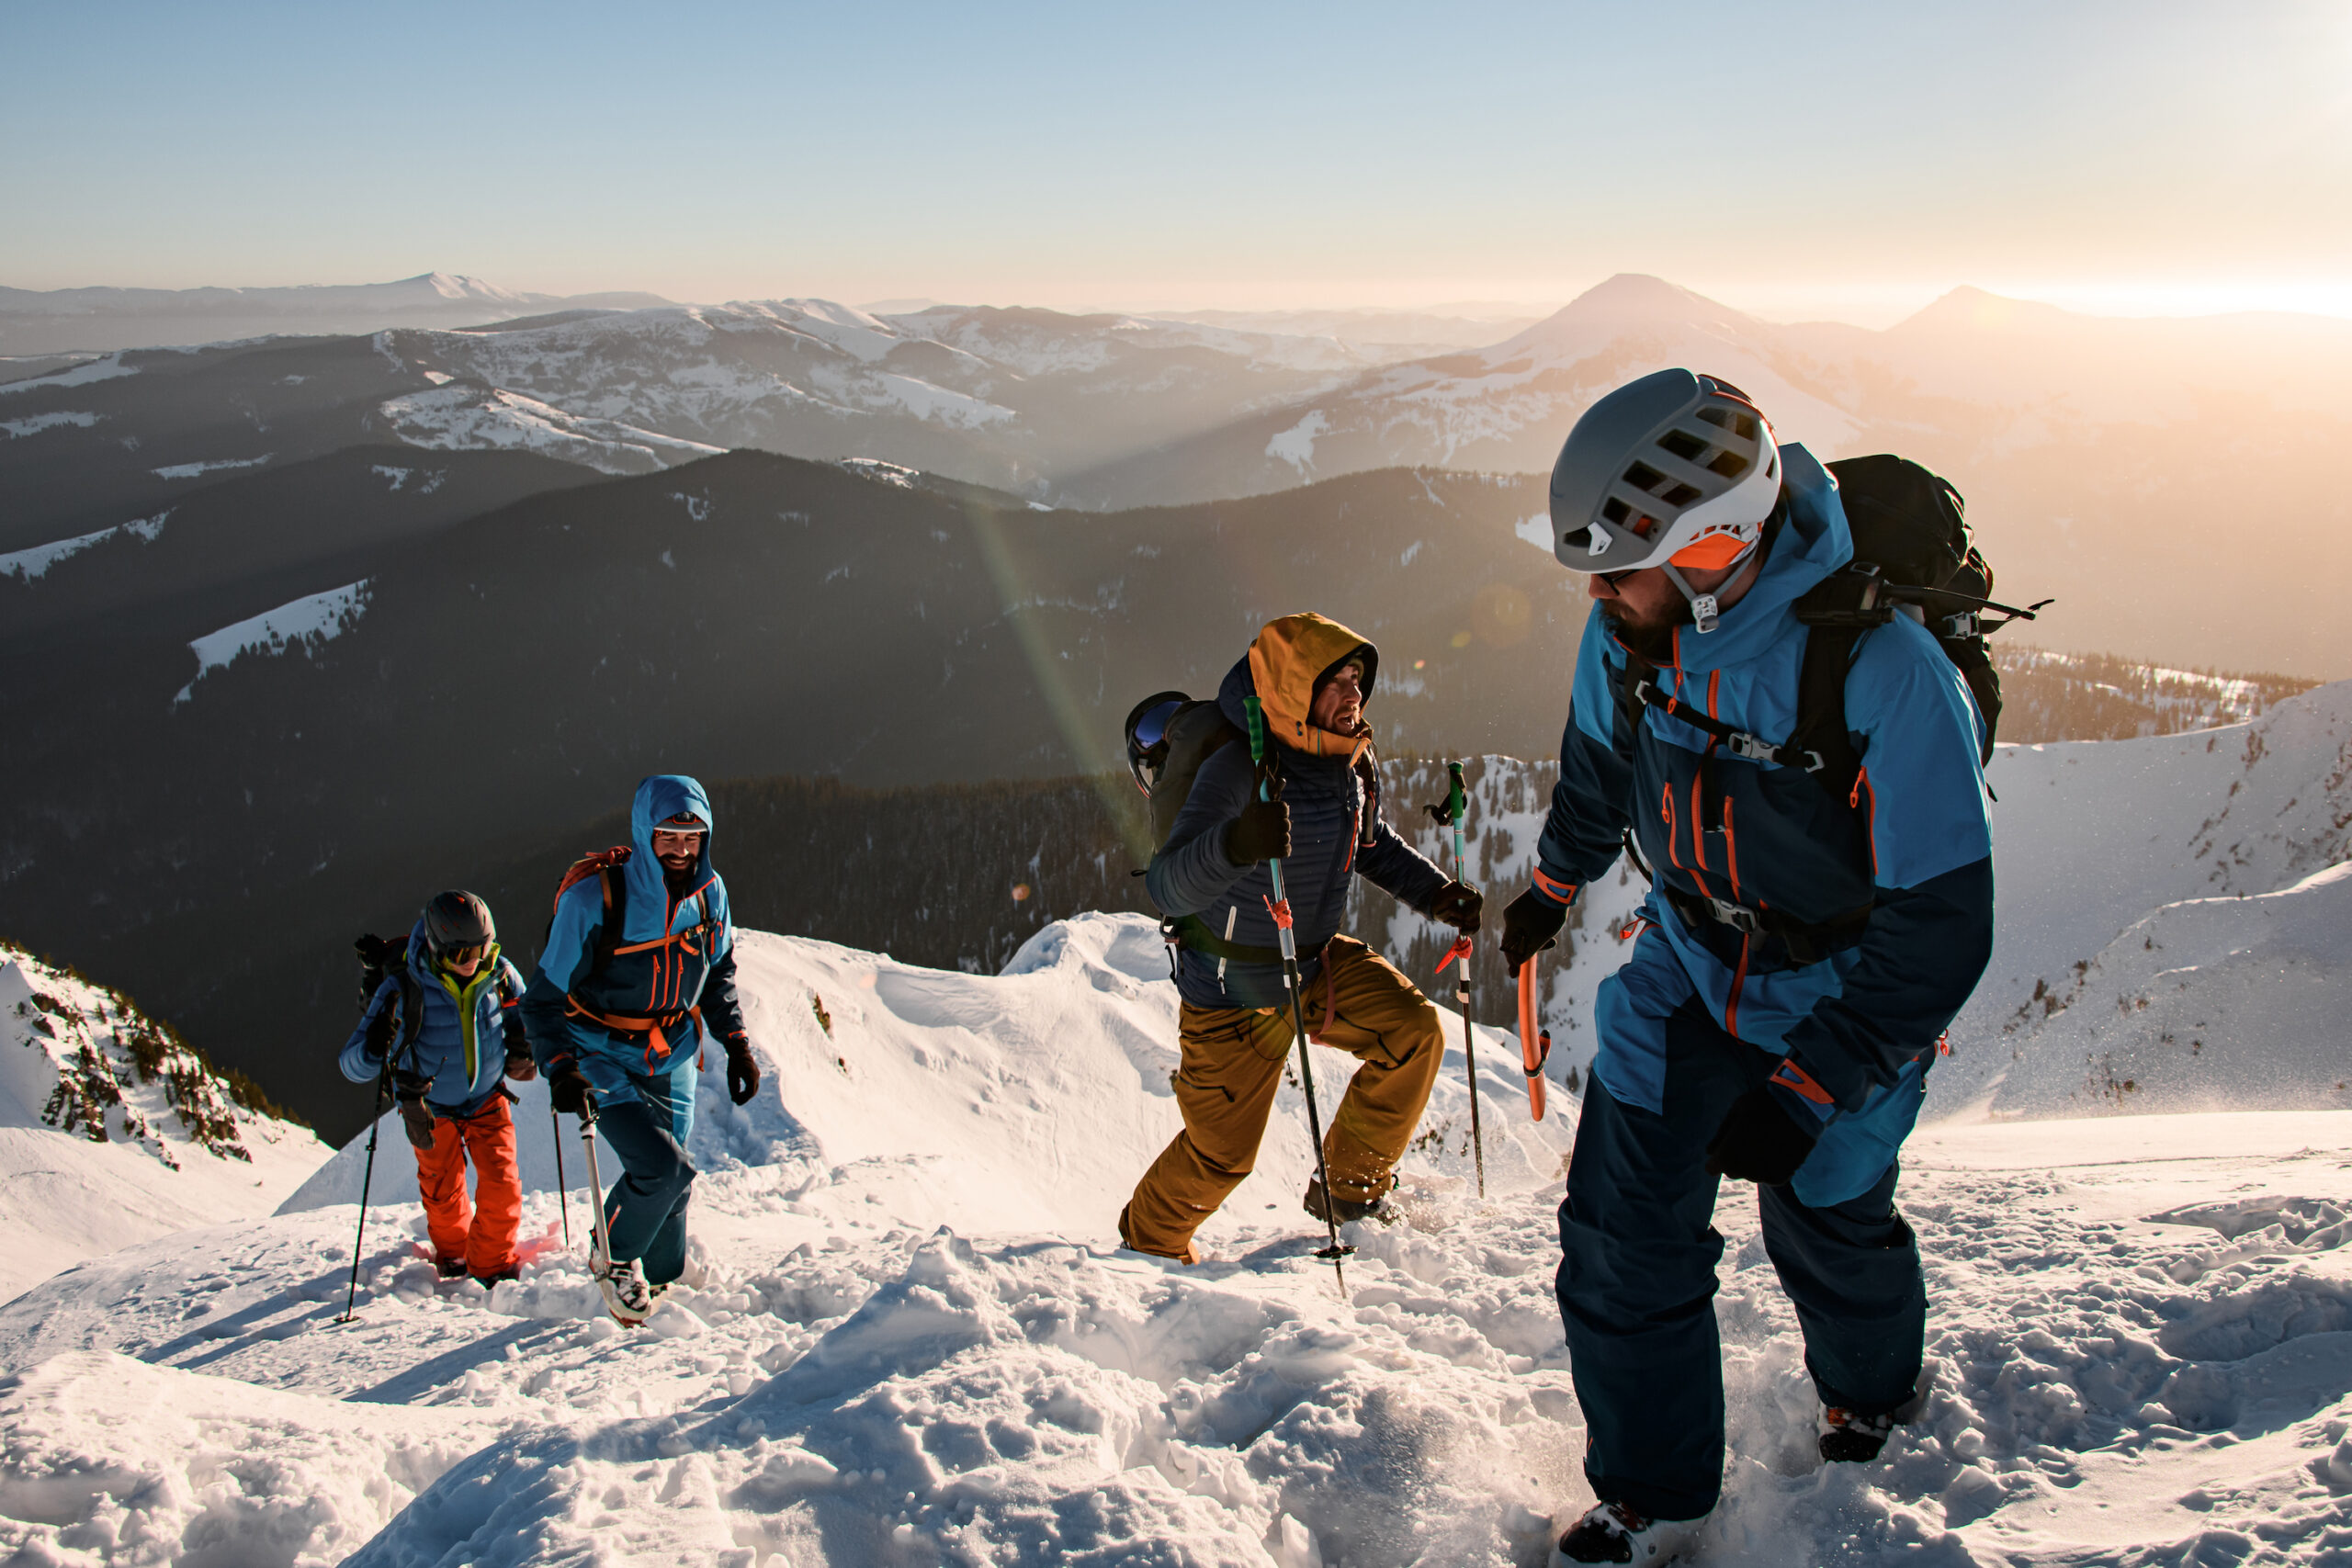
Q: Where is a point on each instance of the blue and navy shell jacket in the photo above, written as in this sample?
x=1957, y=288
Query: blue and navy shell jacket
x=673, y=965
x=1331, y=846
x=1914, y=844
x=460, y=1045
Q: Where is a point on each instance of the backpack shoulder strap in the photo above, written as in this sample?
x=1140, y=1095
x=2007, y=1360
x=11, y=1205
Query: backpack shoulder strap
x=1638, y=673
x=412, y=1009
x=614, y=882
x=1821, y=706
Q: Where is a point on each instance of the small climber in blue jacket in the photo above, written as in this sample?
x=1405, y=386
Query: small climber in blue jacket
x=1803, y=949
x=638, y=975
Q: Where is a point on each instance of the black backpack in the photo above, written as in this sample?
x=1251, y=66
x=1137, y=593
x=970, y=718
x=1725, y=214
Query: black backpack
x=1913, y=555
x=1194, y=733
x=382, y=959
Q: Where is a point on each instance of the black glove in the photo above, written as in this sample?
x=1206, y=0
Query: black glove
x=1458, y=904
x=1530, y=923
x=1260, y=833
x=567, y=1090
x=1759, y=1141
x=742, y=1073
x=519, y=1066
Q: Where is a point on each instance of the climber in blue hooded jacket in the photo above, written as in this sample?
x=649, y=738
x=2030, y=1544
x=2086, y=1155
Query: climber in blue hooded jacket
x=1801, y=952
x=638, y=973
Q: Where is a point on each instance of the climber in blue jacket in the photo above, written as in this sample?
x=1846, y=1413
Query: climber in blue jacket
x=1802, y=948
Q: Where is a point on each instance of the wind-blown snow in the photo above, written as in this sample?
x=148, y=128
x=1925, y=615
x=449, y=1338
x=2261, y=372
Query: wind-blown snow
x=306, y=623
x=31, y=563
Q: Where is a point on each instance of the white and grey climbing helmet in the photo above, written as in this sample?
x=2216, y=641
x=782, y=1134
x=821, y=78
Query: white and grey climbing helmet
x=1676, y=470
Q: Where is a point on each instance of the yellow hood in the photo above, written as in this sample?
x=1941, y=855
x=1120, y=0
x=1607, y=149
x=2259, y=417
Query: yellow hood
x=1286, y=659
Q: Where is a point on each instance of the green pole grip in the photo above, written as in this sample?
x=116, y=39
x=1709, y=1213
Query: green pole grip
x=1455, y=799
x=1257, y=728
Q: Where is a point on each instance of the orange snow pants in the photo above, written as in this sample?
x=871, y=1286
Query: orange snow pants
x=1233, y=1064
x=480, y=1233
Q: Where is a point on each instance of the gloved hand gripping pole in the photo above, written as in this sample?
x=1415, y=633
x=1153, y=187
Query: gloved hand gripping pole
x=1280, y=907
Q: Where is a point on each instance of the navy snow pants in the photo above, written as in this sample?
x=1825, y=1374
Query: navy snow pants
x=645, y=1213
x=1637, y=1281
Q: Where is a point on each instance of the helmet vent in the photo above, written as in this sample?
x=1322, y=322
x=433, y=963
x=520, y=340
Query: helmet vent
x=1687, y=448
x=1739, y=424
x=1731, y=464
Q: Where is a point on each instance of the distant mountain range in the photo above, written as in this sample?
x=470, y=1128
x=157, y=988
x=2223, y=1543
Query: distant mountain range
x=97, y=320
x=2170, y=482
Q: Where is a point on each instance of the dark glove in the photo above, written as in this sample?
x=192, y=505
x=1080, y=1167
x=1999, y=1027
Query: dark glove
x=416, y=1122
x=1530, y=924
x=742, y=1073
x=519, y=1066
x=1759, y=1141
x=1261, y=831
x=407, y=1084
x=567, y=1090
x=1458, y=904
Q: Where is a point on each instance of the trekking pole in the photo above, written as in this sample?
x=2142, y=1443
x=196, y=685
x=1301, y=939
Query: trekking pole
x=562, y=1193
x=596, y=1182
x=1279, y=906
x=1457, y=806
x=367, y=1179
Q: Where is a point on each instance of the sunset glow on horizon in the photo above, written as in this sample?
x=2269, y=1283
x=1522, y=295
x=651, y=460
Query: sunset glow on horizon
x=2107, y=158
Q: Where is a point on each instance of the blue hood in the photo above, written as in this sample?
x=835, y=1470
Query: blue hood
x=1814, y=542
x=659, y=798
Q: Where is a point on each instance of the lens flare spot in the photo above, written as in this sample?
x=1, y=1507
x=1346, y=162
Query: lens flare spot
x=1421, y=664
x=1461, y=639
x=1020, y=892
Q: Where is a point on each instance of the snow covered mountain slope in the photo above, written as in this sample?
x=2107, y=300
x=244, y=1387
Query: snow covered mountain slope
x=2171, y=914
x=460, y=416
x=2128, y=1370
x=2093, y=452
x=113, y=1132
x=2236, y=1003
x=1012, y=1102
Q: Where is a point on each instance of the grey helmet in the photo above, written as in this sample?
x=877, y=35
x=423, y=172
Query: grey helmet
x=457, y=925
x=1676, y=469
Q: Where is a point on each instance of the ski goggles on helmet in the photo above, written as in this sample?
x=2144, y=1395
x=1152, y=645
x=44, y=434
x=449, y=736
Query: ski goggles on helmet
x=472, y=952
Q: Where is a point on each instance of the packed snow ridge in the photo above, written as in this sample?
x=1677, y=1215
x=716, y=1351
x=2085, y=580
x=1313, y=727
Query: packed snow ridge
x=906, y=1338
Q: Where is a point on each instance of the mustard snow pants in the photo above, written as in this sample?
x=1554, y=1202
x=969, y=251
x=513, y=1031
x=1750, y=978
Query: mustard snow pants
x=1232, y=1065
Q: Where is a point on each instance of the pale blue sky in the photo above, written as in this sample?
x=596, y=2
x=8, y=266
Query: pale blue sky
x=1834, y=160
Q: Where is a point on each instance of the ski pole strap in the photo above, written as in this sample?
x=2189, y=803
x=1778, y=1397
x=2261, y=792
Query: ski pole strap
x=1280, y=911
x=1460, y=949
